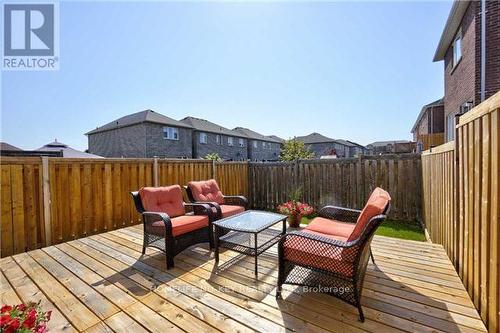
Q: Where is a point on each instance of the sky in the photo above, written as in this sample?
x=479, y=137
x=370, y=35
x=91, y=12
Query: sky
x=359, y=71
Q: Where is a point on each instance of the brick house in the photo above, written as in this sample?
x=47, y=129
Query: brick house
x=321, y=145
x=355, y=149
x=471, y=57
x=260, y=147
x=209, y=138
x=142, y=134
x=428, y=130
x=391, y=147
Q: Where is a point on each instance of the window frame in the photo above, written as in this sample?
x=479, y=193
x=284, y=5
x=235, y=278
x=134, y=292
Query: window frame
x=171, y=133
x=230, y=141
x=241, y=142
x=456, y=59
x=255, y=144
x=205, y=136
x=218, y=139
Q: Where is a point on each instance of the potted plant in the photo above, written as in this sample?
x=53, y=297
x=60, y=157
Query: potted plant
x=295, y=211
x=23, y=318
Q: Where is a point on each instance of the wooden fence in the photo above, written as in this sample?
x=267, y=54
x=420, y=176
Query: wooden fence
x=461, y=204
x=51, y=200
x=431, y=140
x=342, y=182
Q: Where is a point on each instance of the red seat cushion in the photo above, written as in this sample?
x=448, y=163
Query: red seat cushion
x=228, y=210
x=376, y=204
x=331, y=227
x=180, y=225
x=308, y=252
x=206, y=190
x=163, y=199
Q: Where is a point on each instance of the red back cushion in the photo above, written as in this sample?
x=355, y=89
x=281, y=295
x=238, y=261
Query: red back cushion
x=375, y=205
x=163, y=199
x=206, y=190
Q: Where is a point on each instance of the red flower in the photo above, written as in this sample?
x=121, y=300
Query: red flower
x=30, y=320
x=4, y=319
x=5, y=308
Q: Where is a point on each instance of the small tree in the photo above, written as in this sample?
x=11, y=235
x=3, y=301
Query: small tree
x=294, y=150
x=213, y=156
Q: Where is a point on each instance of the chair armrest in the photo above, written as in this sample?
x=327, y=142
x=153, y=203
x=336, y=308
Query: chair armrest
x=237, y=200
x=340, y=214
x=200, y=209
x=316, y=238
x=150, y=217
x=215, y=205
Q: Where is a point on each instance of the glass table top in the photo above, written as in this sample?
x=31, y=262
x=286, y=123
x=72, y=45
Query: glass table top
x=250, y=221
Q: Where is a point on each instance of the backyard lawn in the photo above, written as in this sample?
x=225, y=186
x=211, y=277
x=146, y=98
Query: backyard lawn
x=398, y=229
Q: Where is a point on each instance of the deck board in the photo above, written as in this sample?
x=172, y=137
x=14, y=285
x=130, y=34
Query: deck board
x=102, y=283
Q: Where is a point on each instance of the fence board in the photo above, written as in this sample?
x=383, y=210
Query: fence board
x=471, y=182
x=342, y=182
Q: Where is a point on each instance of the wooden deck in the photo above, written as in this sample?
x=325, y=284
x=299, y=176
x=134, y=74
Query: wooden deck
x=102, y=284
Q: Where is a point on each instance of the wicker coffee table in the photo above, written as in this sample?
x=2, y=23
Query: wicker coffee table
x=248, y=233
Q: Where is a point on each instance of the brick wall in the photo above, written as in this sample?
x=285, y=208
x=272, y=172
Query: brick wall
x=156, y=145
x=459, y=81
x=324, y=148
x=127, y=141
x=492, y=48
x=261, y=153
x=226, y=152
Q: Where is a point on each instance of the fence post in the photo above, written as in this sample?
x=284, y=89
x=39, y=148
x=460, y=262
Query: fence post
x=361, y=181
x=214, y=171
x=296, y=175
x=46, y=201
x=155, y=171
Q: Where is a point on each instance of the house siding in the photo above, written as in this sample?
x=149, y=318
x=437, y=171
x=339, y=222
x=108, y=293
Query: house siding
x=492, y=79
x=264, y=154
x=460, y=80
x=157, y=145
x=226, y=152
x=324, y=148
x=127, y=141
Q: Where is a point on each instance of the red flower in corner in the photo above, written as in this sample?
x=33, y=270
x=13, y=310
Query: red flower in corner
x=24, y=318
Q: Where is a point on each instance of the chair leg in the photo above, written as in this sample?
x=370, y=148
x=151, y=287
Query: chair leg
x=361, y=315
x=371, y=256
x=278, y=290
x=143, y=249
x=170, y=262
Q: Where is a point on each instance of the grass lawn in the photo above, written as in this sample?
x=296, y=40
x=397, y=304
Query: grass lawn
x=398, y=229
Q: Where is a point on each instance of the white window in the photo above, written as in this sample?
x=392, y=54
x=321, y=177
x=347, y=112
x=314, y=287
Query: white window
x=255, y=144
x=241, y=142
x=450, y=127
x=203, y=137
x=457, y=49
x=171, y=133
x=218, y=139
x=230, y=141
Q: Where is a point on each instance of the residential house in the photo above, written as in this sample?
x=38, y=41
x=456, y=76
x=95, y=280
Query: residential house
x=4, y=146
x=470, y=49
x=391, y=147
x=64, y=150
x=428, y=130
x=142, y=134
x=355, y=149
x=260, y=147
x=277, y=138
x=209, y=138
x=321, y=145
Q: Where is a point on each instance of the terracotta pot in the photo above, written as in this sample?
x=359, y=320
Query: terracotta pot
x=294, y=221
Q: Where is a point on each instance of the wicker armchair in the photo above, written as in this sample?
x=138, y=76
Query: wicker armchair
x=331, y=254
x=167, y=225
x=208, y=192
